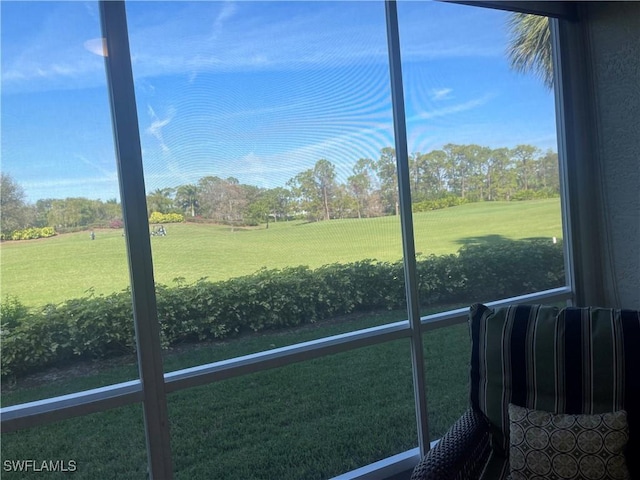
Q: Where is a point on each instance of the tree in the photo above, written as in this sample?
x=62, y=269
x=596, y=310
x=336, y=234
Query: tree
x=279, y=203
x=42, y=209
x=361, y=185
x=529, y=48
x=548, y=172
x=235, y=200
x=250, y=194
x=459, y=168
x=345, y=205
x=258, y=210
x=225, y=200
x=75, y=212
x=501, y=177
x=113, y=210
x=270, y=204
x=316, y=189
x=525, y=157
x=435, y=163
x=160, y=200
x=425, y=175
x=14, y=212
x=324, y=173
x=211, y=197
x=477, y=158
x=187, y=198
x=388, y=175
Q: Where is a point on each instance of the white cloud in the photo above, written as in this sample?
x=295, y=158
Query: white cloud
x=155, y=129
x=227, y=11
x=110, y=175
x=26, y=70
x=260, y=171
x=256, y=36
x=252, y=163
x=461, y=107
x=441, y=94
x=47, y=51
x=227, y=36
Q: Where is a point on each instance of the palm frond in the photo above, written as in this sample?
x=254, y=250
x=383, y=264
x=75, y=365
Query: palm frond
x=529, y=49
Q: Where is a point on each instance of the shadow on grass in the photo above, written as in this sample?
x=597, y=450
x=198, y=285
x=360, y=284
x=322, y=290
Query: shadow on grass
x=491, y=240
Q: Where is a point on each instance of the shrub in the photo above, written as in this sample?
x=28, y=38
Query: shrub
x=32, y=233
x=505, y=269
x=116, y=223
x=99, y=326
x=157, y=217
x=198, y=219
x=102, y=326
x=440, y=203
x=441, y=280
x=30, y=344
x=12, y=312
x=535, y=194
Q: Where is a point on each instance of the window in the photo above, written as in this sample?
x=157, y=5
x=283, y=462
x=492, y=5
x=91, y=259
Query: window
x=273, y=157
x=482, y=141
x=265, y=147
x=64, y=262
x=276, y=423
x=85, y=446
x=484, y=177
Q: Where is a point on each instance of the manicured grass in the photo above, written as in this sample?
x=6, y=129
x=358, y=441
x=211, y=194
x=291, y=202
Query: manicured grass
x=71, y=265
x=309, y=420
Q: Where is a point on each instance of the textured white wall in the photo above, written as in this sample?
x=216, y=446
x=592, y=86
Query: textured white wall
x=614, y=37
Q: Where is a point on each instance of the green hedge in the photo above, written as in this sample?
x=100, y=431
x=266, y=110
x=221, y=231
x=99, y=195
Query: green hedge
x=30, y=233
x=98, y=327
x=440, y=203
x=535, y=194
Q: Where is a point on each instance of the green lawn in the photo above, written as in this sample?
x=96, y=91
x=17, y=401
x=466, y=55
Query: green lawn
x=308, y=420
x=313, y=419
x=67, y=266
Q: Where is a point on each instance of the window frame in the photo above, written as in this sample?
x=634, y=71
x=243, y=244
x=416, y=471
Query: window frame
x=153, y=385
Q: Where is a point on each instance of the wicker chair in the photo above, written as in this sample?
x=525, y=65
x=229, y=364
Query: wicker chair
x=571, y=361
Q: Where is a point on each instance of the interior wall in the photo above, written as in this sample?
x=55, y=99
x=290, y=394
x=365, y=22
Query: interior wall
x=614, y=38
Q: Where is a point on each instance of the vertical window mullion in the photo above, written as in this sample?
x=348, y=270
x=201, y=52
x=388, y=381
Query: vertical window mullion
x=561, y=120
x=406, y=219
x=585, y=273
x=132, y=191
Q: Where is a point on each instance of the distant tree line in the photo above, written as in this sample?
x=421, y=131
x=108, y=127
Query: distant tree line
x=68, y=213
x=464, y=173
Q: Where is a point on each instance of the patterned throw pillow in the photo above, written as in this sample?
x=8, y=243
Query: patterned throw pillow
x=559, y=446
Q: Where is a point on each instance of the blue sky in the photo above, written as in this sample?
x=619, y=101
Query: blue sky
x=259, y=91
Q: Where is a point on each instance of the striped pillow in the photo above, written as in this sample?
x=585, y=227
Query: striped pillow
x=573, y=361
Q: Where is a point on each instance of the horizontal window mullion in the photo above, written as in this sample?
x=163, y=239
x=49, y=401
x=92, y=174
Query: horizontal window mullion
x=40, y=412
x=25, y=415
x=385, y=468
x=280, y=357
x=460, y=315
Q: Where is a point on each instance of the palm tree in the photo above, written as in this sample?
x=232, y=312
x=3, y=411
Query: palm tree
x=160, y=200
x=187, y=198
x=529, y=47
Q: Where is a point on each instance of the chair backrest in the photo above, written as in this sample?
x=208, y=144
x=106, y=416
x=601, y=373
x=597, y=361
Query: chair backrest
x=571, y=360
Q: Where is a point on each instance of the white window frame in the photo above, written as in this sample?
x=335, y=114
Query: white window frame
x=151, y=388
